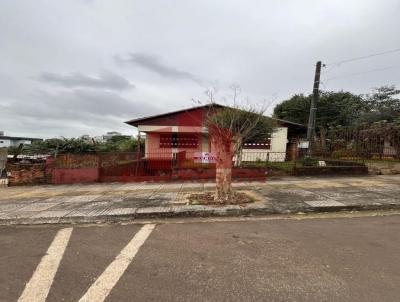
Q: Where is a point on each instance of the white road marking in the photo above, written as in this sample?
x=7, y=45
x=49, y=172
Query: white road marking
x=104, y=284
x=39, y=285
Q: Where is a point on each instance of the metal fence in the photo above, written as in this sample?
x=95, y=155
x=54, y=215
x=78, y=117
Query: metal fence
x=156, y=166
x=262, y=156
x=381, y=143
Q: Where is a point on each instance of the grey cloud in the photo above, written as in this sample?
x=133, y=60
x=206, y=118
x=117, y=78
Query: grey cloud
x=173, y=52
x=82, y=108
x=154, y=64
x=105, y=80
x=82, y=104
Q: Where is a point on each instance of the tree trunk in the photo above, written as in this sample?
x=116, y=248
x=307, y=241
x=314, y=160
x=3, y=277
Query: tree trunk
x=224, y=154
x=223, y=178
x=223, y=184
x=238, y=161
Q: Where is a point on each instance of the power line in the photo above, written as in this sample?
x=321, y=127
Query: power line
x=362, y=72
x=364, y=57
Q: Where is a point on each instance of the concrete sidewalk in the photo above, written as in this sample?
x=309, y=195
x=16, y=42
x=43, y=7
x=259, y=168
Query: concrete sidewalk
x=104, y=202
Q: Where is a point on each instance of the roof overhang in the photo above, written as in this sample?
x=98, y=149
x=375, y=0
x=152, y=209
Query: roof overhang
x=136, y=122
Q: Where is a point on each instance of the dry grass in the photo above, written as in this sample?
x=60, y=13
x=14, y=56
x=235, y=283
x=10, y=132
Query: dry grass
x=207, y=198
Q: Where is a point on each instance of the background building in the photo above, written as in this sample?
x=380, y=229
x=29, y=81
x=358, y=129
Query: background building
x=10, y=141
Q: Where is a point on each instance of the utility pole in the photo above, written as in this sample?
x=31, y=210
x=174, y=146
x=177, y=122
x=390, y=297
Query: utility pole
x=313, y=108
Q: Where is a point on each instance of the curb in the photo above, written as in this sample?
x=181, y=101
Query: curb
x=233, y=211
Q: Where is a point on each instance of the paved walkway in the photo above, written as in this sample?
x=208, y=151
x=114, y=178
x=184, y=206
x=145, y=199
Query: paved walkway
x=116, y=202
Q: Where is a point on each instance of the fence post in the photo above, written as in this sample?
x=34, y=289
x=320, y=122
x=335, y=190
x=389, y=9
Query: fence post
x=99, y=163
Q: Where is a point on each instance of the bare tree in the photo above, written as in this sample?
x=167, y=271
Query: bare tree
x=229, y=128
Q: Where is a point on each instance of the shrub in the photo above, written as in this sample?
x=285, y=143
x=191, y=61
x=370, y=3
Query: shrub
x=309, y=161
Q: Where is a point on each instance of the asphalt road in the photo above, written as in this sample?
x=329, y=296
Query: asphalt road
x=336, y=259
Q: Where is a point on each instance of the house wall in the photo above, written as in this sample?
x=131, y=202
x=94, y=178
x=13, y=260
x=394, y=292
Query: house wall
x=277, y=152
x=152, y=147
x=153, y=150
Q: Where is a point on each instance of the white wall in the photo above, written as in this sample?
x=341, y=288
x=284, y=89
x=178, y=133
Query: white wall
x=8, y=142
x=279, y=139
x=277, y=152
x=5, y=142
x=388, y=149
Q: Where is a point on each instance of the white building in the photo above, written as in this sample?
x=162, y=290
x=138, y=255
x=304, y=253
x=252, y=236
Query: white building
x=109, y=135
x=273, y=149
x=9, y=141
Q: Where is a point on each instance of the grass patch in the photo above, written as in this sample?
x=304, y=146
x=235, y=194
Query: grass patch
x=287, y=166
x=382, y=161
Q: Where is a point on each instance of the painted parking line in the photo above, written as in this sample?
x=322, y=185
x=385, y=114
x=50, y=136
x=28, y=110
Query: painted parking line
x=39, y=285
x=107, y=280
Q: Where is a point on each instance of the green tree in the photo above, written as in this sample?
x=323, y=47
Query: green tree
x=383, y=104
x=296, y=109
x=118, y=144
x=334, y=109
x=77, y=145
x=48, y=146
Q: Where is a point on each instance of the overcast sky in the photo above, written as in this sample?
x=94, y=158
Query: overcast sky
x=76, y=67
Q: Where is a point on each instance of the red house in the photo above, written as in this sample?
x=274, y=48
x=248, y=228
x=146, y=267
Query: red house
x=183, y=135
